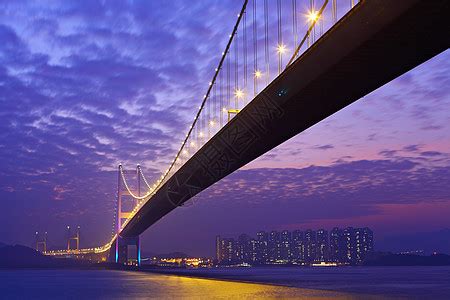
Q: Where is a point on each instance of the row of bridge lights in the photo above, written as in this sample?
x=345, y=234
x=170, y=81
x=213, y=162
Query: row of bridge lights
x=312, y=16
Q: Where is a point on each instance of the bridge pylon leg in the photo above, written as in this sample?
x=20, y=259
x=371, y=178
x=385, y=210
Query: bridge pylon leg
x=123, y=255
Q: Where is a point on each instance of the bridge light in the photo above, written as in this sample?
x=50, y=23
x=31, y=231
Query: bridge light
x=239, y=93
x=201, y=134
x=258, y=74
x=212, y=123
x=281, y=48
x=313, y=16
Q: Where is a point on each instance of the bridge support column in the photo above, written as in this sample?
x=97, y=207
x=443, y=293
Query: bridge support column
x=123, y=255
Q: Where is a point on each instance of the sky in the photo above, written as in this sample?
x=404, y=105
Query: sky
x=86, y=85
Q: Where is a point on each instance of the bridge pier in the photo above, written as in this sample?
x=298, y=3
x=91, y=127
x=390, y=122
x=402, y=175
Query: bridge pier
x=123, y=253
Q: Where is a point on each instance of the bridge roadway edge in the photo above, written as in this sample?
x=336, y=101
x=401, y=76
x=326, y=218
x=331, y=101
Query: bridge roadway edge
x=375, y=43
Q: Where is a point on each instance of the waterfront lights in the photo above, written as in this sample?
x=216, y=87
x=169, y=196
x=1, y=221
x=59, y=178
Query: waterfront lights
x=258, y=74
x=212, y=123
x=313, y=16
x=239, y=93
x=201, y=134
x=281, y=49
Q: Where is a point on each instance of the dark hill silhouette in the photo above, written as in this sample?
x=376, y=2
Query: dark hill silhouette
x=19, y=256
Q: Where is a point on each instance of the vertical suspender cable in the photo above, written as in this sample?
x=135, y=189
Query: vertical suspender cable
x=334, y=10
x=266, y=40
x=214, y=107
x=236, y=71
x=208, y=119
x=221, y=98
x=314, y=28
x=244, y=48
x=294, y=22
x=255, y=51
x=280, y=39
x=228, y=84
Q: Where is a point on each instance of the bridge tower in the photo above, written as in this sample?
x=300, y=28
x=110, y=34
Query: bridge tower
x=75, y=238
x=122, y=255
x=41, y=242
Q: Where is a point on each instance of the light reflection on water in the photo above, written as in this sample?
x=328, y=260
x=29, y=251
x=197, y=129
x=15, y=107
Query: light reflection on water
x=100, y=284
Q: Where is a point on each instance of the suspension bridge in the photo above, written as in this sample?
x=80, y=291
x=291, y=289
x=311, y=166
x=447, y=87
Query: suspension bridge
x=287, y=65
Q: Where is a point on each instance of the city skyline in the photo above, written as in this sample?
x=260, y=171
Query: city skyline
x=382, y=161
x=347, y=246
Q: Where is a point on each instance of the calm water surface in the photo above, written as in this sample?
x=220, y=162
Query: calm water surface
x=105, y=284
x=397, y=282
x=317, y=283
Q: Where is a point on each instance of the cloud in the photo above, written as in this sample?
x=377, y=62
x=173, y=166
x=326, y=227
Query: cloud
x=324, y=147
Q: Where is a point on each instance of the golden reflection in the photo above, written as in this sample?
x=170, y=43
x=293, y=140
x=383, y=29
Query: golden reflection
x=199, y=288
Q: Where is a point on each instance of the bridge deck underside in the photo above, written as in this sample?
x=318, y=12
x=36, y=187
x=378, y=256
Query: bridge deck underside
x=375, y=43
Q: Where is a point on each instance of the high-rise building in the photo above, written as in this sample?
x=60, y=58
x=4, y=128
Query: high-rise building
x=244, y=252
x=358, y=242
x=228, y=251
x=255, y=256
x=274, y=246
x=350, y=245
x=321, y=245
x=262, y=238
x=337, y=245
x=285, y=245
x=363, y=243
x=218, y=249
x=310, y=246
x=298, y=246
